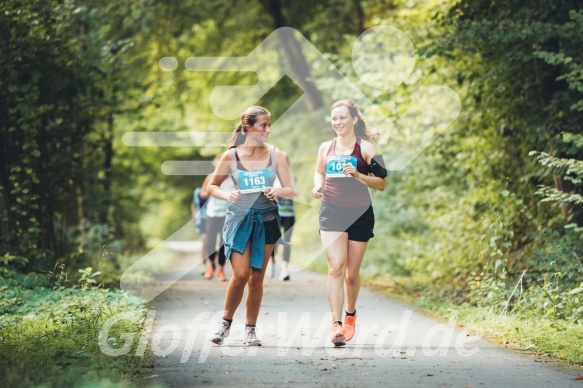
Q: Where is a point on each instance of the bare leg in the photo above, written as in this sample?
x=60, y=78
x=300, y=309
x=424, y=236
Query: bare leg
x=287, y=224
x=236, y=287
x=203, y=240
x=336, y=253
x=214, y=228
x=255, y=294
x=356, y=251
x=221, y=252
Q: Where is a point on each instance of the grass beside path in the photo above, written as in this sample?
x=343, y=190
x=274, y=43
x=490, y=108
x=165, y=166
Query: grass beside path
x=49, y=333
x=559, y=339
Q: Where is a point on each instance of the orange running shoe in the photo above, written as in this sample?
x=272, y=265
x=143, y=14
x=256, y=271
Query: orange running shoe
x=209, y=273
x=337, y=335
x=221, y=276
x=349, y=326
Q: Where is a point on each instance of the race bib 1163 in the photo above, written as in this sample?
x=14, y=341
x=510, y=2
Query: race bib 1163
x=335, y=164
x=253, y=181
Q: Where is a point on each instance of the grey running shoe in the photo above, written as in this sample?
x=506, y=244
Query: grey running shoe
x=222, y=332
x=251, y=337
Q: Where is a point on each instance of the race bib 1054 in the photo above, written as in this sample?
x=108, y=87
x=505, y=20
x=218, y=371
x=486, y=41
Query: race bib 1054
x=335, y=164
x=253, y=181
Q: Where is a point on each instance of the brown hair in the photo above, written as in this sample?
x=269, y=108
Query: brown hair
x=249, y=117
x=360, y=128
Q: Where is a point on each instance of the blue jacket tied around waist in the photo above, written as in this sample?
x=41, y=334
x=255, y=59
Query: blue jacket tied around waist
x=242, y=223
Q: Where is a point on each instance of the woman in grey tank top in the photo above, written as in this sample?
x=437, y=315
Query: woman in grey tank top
x=252, y=223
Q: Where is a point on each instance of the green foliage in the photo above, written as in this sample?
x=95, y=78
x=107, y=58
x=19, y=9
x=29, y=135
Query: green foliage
x=570, y=167
x=58, y=60
x=464, y=222
x=46, y=323
x=13, y=260
x=87, y=277
x=531, y=332
x=572, y=171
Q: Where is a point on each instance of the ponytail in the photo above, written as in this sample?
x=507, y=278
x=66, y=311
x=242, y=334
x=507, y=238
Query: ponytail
x=238, y=136
x=249, y=117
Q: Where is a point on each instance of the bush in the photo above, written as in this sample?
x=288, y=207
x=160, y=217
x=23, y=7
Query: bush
x=54, y=325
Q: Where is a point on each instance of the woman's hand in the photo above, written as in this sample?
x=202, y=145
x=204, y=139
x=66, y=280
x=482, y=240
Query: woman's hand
x=317, y=192
x=270, y=193
x=233, y=196
x=349, y=169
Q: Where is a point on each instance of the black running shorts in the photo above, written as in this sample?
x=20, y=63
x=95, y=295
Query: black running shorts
x=358, y=222
x=272, y=231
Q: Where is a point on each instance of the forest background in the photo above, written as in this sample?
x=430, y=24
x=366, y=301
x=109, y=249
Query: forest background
x=484, y=226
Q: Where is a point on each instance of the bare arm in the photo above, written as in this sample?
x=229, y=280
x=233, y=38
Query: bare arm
x=371, y=181
x=320, y=173
x=203, y=193
x=282, y=169
x=221, y=173
x=374, y=182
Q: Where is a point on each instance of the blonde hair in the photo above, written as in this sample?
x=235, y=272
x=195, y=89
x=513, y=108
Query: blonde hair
x=360, y=128
x=249, y=117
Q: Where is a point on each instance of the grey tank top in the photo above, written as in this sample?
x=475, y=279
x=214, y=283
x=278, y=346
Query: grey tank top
x=253, y=200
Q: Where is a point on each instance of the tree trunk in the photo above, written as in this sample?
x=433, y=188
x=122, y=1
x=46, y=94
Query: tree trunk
x=4, y=214
x=293, y=52
x=108, y=168
x=80, y=213
x=5, y=228
x=547, y=87
x=359, y=15
x=572, y=213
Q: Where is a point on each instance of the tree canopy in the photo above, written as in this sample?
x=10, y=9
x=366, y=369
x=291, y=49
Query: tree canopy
x=497, y=193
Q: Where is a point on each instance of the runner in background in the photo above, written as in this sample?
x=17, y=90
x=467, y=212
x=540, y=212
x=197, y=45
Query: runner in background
x=198, y=213
x=216, y=210
x=287, y=216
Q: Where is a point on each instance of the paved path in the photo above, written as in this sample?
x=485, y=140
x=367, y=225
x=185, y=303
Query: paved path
x=394, y=345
